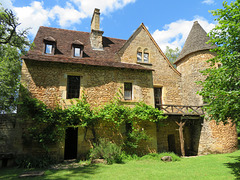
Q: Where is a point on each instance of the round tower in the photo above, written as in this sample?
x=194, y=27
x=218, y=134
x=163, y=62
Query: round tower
x=191, y=61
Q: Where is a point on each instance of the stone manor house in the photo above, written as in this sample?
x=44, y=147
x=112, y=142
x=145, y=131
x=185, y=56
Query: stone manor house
x=64, y=63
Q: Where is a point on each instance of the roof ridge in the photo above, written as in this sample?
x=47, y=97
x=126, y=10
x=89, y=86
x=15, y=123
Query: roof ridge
x=47, y=27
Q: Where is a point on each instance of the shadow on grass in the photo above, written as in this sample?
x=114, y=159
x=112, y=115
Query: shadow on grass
x=234, y=166
x=84, y=172
x=63, y=174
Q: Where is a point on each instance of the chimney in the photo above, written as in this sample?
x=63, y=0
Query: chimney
x=96, y=34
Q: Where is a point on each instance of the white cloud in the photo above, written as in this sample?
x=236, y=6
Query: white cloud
x=66, y=16
x=36, y=15
x=32, y=16
x=175, y=34
x=106, y=6
x=7, y=4
x=208, y=2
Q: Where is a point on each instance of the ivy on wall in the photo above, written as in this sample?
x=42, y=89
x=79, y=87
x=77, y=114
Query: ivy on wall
x=47, y=126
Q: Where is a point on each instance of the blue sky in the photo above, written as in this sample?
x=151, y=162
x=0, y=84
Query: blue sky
x=169, y=22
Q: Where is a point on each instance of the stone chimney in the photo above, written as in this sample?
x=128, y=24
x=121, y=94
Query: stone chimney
x=96, y=34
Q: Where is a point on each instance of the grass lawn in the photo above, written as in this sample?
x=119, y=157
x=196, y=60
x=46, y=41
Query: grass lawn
x=221, y=166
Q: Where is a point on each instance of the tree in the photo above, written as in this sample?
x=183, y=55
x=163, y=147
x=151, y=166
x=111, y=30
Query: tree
x=12, y=45
x=221, y=89
x=172, y=54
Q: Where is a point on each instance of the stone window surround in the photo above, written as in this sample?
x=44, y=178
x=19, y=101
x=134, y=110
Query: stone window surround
x=133, y=92
x=131, y=98
x=163, y=91
x=63, y=86
x=143, y=51
x=71, y=87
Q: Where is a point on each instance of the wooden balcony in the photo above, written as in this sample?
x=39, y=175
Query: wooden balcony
x=180, y=109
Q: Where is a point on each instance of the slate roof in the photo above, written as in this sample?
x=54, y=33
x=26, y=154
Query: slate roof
x=196, y=41
x=63, y=52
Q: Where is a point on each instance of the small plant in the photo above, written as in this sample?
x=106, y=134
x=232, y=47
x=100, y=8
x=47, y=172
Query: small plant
x=106, y=150
x=30, y=161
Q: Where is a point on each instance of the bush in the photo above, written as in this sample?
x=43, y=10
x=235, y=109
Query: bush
x=111, y=152
x=30, y=161
x=156, y=156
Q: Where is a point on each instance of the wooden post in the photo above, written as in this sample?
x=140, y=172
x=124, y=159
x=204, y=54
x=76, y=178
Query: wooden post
x=181, y=124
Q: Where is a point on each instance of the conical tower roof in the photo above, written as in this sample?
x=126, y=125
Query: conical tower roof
x=196, y=41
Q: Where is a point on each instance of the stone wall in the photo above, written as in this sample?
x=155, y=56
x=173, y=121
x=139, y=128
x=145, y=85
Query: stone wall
x=190, y=68
x=217, y=138
x=164, y=75
x=10, y=139
x=48, y=82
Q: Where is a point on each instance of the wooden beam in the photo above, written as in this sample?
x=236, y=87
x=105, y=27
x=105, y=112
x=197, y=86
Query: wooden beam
x=181, y=124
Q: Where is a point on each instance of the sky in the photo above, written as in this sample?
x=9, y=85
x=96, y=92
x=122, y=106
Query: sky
x=168, y=21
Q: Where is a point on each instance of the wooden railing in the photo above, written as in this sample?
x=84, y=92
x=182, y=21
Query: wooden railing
x=180, y=109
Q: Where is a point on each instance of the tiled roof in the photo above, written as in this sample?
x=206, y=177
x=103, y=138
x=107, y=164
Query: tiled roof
x=196, y=41
x=85, y=61
x=63, y=52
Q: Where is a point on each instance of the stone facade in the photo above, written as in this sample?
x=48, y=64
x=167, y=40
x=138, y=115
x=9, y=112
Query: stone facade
x=104, y=66
x=10, y=139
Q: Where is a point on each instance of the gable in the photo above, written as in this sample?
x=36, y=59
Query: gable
x=142, y=41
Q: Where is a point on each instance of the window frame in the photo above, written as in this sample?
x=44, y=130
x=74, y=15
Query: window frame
x=147, y=57
x=142, y=58
x=138, y=55
x=49, y=43
x=74, y=47
x=69, y=95
x=127, y=90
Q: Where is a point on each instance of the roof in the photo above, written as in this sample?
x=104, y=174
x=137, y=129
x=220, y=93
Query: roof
x=63, y=53
x=196, y=41
x=84, y=61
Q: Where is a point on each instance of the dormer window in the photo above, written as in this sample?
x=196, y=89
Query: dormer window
x=77, y=51
x=77, y=48
x=49, y=43
x=48, y=48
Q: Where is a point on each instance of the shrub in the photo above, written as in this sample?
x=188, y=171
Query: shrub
x=107, y=150
x=30, y=161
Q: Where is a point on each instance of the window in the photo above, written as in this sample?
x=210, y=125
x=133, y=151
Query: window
x=73, y=87
x=146, y=57
x=142, y=56
x=48, y=48
x=158, y=97
x=77, y=48
x=77, y=51
x=50, y=44
x=139, y=56
x=127, y=91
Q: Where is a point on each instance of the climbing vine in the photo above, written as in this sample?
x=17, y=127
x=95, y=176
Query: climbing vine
x=47, y=126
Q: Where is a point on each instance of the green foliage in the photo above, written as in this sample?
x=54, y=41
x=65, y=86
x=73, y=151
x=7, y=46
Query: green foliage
x=221, y=89
x=29, y=161
x=144, y=112
x=106, y=150
x=172, y=54
x=80, y=114
x=47, y=125
x=114, y=112
x=12, y=45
